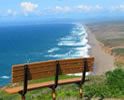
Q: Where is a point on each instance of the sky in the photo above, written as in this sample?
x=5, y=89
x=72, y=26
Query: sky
x=33, y=9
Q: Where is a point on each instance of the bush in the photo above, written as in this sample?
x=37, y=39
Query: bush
x=109, y=86
x=115, y=81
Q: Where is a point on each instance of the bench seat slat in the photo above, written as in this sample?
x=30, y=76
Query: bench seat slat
x=42, y=85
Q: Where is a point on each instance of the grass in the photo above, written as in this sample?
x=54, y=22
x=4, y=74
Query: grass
x=119, y=51
x=112, y=42
x=44, y=93
x=110, y=85
x=119, y=64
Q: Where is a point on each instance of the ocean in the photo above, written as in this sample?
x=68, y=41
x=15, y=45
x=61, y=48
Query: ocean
x=30, y=43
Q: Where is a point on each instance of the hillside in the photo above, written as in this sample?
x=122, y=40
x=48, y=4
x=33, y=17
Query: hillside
x=111, y=36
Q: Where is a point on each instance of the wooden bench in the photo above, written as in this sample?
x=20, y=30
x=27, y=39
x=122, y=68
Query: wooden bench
x=25, y=72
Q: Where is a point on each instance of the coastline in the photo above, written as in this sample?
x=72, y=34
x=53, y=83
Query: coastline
x=103, y=61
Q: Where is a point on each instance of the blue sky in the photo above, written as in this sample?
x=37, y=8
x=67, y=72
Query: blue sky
x=21, y=9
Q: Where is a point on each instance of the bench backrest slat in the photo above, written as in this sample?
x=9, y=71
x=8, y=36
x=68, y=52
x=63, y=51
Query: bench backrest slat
x=35, y=71
x=74, y=65
x=48, y=69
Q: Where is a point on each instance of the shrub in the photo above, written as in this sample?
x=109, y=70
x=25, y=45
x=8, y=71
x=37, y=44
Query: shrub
x=108, y=86
x=115, y=81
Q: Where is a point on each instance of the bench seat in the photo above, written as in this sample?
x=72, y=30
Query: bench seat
x=41, y=85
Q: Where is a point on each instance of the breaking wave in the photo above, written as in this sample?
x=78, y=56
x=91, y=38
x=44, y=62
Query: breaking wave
x=4, y=77
x=53, y=50
x=75, y=43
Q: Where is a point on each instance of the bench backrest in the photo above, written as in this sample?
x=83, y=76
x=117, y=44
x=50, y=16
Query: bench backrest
x=48, y=69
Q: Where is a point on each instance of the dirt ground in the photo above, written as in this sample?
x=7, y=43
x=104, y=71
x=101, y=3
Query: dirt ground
x=103, y=61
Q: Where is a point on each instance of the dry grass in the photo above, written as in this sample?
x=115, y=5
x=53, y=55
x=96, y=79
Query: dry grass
x=111, y=34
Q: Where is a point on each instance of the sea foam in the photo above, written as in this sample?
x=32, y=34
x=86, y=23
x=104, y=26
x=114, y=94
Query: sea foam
x=78, y=43
x=4, y=77
x=76, y=40
x=53, y=50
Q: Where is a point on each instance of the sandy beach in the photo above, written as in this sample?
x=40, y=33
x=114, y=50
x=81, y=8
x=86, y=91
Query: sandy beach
x=103, y=61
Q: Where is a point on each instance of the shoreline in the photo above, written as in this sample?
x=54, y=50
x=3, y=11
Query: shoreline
x=103, y=61
x=100, y=65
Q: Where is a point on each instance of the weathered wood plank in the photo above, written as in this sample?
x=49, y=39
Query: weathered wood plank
x=48, y=69
x=41, y=85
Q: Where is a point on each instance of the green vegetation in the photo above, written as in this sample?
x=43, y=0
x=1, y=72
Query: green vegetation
x=112, y=42
x=119, y=51
x=119, y=64
x=111, y=85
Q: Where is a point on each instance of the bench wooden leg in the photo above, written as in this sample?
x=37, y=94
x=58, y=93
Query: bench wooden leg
x=81, y=91
x=23, y=97
x=53, y=94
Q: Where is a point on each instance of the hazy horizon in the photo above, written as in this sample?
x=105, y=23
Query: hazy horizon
x=71, y=10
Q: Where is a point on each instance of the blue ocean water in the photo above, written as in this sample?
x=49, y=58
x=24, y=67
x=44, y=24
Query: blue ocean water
x=30, y=43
